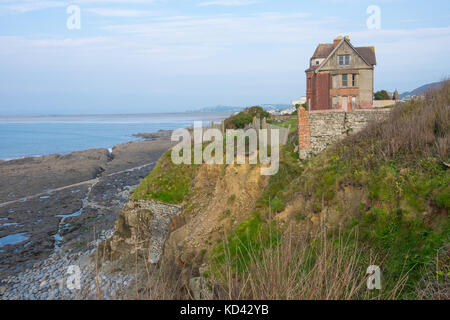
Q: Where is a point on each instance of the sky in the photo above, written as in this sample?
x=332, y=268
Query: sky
x=146, y=56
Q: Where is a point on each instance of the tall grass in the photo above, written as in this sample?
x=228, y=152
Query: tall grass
x=419, y=127
x=315, y=266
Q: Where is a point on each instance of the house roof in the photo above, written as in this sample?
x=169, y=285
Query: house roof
x=323, y=50
x=312, y=68
x=368, y=53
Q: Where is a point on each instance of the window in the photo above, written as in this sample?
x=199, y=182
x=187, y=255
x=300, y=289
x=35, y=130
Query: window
x=335, y=82
x=317, y=61
x=335, y=102
x=344, y=60
x=309, y=83
x=345, y=80
x=353, y=80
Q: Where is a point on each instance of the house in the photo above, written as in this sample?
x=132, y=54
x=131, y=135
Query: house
x=340, y=76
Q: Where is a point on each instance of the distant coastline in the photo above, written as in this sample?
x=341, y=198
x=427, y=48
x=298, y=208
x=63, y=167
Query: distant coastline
x=37, y=136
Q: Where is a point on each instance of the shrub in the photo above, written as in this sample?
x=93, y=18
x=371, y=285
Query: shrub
x=242, y=119
x=382, y=95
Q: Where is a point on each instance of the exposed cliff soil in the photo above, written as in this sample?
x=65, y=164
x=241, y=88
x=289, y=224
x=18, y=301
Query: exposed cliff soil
x=222, y=197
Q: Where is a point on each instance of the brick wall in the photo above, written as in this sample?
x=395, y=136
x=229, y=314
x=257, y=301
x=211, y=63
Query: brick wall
x=322, y=91
x=317, y=130
x=304, y=135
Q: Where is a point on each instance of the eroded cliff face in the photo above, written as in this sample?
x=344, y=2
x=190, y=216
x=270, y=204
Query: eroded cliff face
x=222, y=197
x=182, y=236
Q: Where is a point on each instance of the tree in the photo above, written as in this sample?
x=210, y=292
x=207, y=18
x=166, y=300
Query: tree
x=382, y=95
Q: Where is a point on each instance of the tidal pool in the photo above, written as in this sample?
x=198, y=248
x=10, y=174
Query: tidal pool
x=75, y=214
x=13, y=239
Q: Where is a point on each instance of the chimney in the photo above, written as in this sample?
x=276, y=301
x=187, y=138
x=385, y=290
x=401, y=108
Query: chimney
x=337, y=41
x=347, y=38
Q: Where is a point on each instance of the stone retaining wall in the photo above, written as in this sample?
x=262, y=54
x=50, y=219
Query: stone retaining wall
x=317, y=130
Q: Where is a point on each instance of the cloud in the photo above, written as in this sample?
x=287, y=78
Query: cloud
x=27, y=6
x=122, y=13
x=23, y=6
x=228, y=3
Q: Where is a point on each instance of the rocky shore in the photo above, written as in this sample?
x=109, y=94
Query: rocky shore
x=55, y=209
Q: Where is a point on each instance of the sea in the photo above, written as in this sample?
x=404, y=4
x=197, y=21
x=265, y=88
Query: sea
x=43, y=135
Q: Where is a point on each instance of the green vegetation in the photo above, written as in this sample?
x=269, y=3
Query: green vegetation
x=250, y=237
x=382, y=95
x=407, y=242
x=256, y=233
x=401, y=166
x=292, y=122
x=240, y=120
x=167, y=182
x=390, y=186
x=281, y=187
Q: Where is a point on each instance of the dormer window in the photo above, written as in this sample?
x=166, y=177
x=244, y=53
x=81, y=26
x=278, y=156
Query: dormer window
x=344, y=60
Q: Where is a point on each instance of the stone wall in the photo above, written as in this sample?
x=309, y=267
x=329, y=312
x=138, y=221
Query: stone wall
x=317, y=130
x=383, y=103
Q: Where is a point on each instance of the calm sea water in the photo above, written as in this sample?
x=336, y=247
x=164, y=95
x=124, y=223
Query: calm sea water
x=36, y=136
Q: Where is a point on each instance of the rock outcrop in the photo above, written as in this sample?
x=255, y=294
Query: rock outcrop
x=142, y=228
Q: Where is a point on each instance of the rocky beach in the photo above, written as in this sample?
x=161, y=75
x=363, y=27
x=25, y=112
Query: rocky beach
x=55, y=209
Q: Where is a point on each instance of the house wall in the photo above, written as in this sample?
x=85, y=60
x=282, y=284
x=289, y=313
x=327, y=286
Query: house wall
x=322, y=91
x=318, y=130
x=366, y=88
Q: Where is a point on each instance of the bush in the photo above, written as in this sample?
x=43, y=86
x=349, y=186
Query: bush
x=242, y=119
x=382, y=95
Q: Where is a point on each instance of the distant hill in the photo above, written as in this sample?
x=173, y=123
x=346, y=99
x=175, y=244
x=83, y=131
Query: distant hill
x=219, y=109
x=421, y=90
x=267, y=107
x=280, y=106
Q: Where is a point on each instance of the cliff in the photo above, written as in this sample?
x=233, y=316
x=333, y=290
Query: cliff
x=378, y=197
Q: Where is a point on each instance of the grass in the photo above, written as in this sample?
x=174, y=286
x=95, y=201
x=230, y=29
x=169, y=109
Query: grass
x=400, y=168
x=168, y=182
x=251, y=235
x=282, y=186
x=400, y=165
x=322, y=265
x=292, y=122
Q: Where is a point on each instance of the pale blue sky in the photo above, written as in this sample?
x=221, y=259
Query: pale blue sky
x=134, y=56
